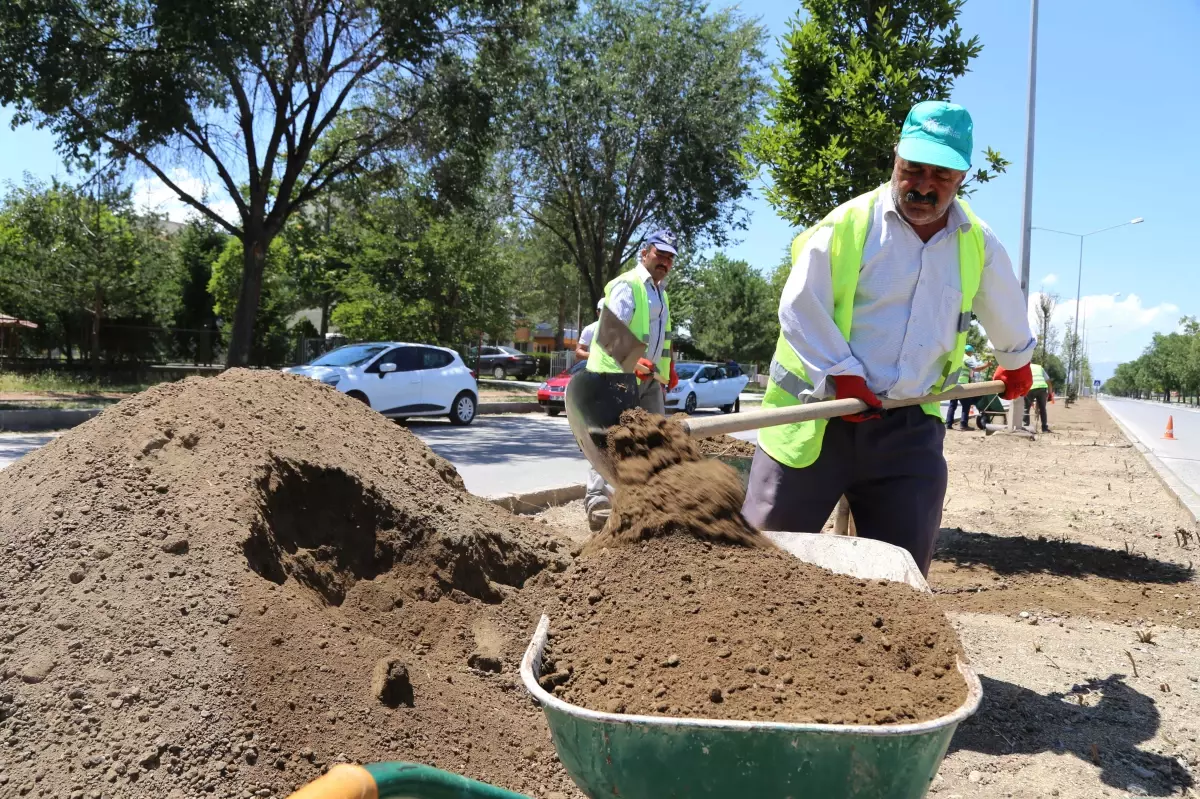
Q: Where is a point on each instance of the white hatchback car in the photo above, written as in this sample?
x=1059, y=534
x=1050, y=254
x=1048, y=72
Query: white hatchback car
x=706, y=385
x=399, y=380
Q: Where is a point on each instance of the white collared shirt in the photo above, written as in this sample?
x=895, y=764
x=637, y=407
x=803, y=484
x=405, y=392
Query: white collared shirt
x=621, y=303
x=589, y=333
x=906, y=306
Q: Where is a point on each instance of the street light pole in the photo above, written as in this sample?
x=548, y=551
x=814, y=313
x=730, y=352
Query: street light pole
x=1074, y=365
x=1018, y=405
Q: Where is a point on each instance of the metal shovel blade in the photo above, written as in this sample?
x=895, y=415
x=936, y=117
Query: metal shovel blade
x=594, y=402
x=615, y=338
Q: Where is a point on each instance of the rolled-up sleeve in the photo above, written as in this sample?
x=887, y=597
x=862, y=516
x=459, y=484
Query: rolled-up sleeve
x=806, y=316
x=620, y=302
x=1001, y=309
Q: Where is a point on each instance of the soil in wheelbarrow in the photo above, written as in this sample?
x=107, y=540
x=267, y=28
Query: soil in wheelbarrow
x=678, y=626
x=665, y=486
x=679, y=607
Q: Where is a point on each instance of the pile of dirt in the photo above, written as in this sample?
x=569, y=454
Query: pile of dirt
x=226, y=584
x=682, y=627
x=665, y=486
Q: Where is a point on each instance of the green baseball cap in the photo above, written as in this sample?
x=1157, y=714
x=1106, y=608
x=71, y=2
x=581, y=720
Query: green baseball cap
x=937, y=133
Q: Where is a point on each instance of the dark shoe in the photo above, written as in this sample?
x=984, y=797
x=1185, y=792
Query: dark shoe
x=964, y=427
x=1047, y=430
x=949, y=425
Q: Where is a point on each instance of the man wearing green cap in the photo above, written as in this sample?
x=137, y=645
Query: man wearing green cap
x=877, y=305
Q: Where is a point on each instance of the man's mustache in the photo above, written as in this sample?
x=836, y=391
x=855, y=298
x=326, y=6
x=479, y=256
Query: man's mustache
x=917, y=197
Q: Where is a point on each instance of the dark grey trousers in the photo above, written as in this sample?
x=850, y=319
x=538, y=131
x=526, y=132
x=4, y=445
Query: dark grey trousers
x=1038, y=395
x=891, y=470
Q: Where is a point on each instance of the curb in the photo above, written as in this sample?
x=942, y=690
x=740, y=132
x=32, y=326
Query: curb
x=537, y=501
x=1188, y=499
x=487, y=408
x=515, y=385
x=44, y=419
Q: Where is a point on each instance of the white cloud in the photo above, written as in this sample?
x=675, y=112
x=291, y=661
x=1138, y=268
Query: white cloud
x=1050, y=279
x=152, y=194
x=1118, y=326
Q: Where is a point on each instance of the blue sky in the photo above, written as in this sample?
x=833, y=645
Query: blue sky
x=1118, y=120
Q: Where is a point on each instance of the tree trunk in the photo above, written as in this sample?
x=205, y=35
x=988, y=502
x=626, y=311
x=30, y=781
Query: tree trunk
x=326, y=307
x=97, y=310
x=254, y=258
x=562, y=321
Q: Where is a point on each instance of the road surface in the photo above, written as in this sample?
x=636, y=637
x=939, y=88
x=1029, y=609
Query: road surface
x=1148, y=421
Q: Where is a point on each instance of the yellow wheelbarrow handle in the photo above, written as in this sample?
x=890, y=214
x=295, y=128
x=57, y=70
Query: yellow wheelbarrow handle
x=343, y=781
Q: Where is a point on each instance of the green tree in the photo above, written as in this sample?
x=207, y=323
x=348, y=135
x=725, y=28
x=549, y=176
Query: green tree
x=630, y=116
x=272, y=101
x=850, y=72
x=733, y=317
x=92, y=264
x=197, y=249
x=272, y=343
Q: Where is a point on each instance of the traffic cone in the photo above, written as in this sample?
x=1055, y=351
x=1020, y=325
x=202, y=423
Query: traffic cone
x=1170, y=434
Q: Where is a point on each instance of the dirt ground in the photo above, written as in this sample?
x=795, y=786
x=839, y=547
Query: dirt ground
x=1055, y=555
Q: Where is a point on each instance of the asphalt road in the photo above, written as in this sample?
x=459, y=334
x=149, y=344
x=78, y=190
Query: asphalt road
x=1148, y=421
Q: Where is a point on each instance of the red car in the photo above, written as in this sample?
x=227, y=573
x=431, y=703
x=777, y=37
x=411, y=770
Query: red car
x=550, y=394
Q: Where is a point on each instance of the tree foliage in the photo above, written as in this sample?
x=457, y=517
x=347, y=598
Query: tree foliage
x=851, y=71
x=273, y=101
x=729, y=313
x=630, y=116
x=88, y=266
x=1169, y=365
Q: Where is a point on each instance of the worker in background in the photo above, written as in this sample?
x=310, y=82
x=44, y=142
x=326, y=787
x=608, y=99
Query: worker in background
x=638, y=299
x=1039, y=393
x=972, y=366
x=878, y=305
x=587, y=334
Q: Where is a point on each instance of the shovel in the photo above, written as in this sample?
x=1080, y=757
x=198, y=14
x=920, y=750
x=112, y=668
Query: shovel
x=595, y=401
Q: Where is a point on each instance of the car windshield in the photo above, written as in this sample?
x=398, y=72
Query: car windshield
x=686, y=371
x=351, y=355
x=510, y=351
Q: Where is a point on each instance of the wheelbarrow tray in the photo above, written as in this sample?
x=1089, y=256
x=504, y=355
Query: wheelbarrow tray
x=651, y=757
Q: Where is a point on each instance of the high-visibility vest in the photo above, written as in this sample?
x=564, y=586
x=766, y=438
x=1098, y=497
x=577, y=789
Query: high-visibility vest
x=799, y=445
x=1039, y=377
x=639, y=325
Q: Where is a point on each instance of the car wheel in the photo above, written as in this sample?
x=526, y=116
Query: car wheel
x=499, y=373
x=462, y=410
x=727, y=408
x=553, y=411
x=737, y=405
x=689, y=404
x=361, y=397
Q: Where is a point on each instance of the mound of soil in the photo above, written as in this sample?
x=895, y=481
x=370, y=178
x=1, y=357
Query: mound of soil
x=681, y=627
x=665, y=486
x=226, y=584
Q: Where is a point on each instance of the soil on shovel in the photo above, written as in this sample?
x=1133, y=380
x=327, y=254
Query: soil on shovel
x=666, y=486
x=223, y=586
x=721, y=445
x=683, y=627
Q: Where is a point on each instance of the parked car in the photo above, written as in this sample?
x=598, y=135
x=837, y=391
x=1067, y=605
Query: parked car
x=706, y=385
x=399, y=380
x=500, y=362
x=550, y=394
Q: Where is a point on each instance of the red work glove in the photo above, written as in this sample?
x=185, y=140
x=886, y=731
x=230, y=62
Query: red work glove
x=674, y=381
x=855, y=387
x=1016, y=383
x=644, y=369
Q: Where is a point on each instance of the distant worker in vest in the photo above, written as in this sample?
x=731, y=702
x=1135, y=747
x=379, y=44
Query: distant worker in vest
x=878, y=305
x=587, y=334
x=972, y=366
x=1039, y=393
x=638, y=299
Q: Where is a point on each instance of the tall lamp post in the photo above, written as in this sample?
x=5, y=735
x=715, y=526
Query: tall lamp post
x=1079, y=285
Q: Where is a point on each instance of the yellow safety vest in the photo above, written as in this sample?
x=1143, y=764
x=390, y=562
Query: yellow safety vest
x=601, y=361
x=1039, y=377
x=799, y=445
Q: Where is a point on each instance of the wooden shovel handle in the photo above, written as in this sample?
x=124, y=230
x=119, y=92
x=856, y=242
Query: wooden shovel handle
x=828, y=409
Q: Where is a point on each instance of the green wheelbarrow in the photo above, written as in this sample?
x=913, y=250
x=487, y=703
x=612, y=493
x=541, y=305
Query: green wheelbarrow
x=656, y=757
